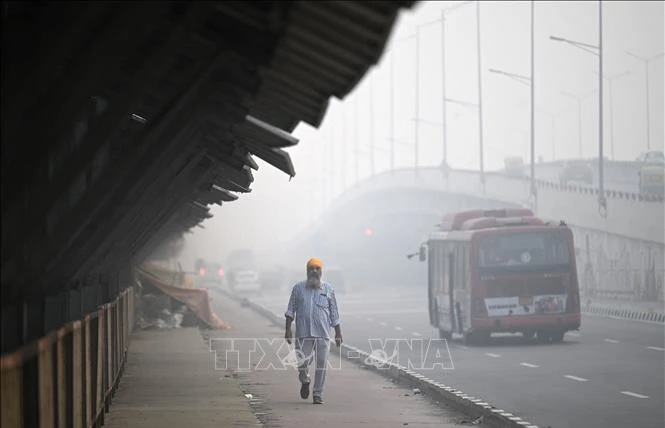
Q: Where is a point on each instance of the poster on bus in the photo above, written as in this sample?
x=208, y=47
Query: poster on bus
x=545, y=304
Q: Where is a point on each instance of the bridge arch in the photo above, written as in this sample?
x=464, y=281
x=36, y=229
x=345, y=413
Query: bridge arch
x=370, y=234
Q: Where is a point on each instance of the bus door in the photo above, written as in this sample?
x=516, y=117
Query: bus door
x=451, y=293
x=438, y=286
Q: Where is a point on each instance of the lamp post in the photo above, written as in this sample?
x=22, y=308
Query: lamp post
x=596, y=50
x=371, y=127
x=343, y=171
x=480, y=97
x=610, y=79
x=646, y=61
x=444, y=115
x=356, y=166
x=578, y=99
x=392, y=100
x=529, y=82
x=417, y=102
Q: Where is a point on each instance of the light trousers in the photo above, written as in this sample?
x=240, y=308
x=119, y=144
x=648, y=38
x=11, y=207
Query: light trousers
x=309, y=349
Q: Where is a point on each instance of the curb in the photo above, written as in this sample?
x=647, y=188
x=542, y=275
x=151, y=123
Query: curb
x=627, y=314
x=471, y=406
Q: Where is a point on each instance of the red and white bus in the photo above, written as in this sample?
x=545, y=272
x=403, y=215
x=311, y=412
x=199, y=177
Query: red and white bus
x=502, y=271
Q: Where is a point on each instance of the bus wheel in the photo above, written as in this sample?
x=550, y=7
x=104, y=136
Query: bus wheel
x=557, y=336
x=444, y=334
x=528, y=334
x=543, y=336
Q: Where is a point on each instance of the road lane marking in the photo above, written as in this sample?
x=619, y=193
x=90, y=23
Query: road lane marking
x=633, y=394
x=383, y=324
x=579, y=379
x=370, y=319
x=416, y=334
x=655, y=348
x=610, y=341
x=489, y=354
x=533, y=366
x=398, y=328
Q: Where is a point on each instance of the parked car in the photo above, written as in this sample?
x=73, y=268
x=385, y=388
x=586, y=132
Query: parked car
x=653, y=156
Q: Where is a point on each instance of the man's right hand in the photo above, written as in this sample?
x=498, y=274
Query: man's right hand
x=288, y=335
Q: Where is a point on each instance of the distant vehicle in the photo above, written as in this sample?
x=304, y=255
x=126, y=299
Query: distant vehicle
x=502, y=271
x=652, y=180
x=209, y=273
x=514, y=165
x=245, y=281
x=242, y=271
x=576, y=170
x=653, y=156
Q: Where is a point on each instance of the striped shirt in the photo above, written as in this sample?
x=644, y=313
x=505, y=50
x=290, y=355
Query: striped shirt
x=314, y=310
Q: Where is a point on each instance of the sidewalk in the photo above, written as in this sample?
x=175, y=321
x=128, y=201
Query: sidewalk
x=354, y=397
x=171, y=380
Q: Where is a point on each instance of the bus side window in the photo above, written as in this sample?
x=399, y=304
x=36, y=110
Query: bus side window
x=463, y=274
x=443, y=269
x=464, y=262
x=458, y=268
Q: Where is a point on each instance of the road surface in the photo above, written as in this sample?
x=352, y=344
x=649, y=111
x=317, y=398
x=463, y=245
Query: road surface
x=610, y=374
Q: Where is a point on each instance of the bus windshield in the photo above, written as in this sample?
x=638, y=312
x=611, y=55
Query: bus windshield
x=524, y=249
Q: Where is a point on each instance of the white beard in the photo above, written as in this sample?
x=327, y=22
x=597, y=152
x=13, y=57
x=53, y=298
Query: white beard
x=314, y=282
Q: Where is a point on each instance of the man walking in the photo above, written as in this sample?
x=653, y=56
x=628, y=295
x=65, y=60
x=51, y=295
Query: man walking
x=314, y=307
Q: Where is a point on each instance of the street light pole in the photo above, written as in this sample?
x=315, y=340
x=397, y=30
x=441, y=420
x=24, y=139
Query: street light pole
x=392, y=111
x=611, y=80
x=443, y=89
x=371, y=127
x=596, y=50
x=533, y=117
x=480, y=97
x=646, y=62
x=579, y=100
x=417, y=100
x=355, y=138
x=602, y=202
x=553, y=139
x=444, y=111
x=344, y=147
x=579, y=127
x=528, y=81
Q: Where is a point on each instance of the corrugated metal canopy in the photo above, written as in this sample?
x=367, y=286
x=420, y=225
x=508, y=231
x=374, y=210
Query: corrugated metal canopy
x=327, y=49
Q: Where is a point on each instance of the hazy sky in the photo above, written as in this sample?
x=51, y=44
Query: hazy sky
x=325, y=159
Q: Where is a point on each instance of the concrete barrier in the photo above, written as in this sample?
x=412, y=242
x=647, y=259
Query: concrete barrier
x=626, y=313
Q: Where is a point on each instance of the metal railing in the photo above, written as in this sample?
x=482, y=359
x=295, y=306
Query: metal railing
x=68, y=377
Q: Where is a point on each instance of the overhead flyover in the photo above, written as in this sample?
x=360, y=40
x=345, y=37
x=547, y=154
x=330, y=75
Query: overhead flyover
x=123, y=122
x=619, y=254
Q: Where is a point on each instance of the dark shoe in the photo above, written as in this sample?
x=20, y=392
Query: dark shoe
x=317, y=400
x=304, y=390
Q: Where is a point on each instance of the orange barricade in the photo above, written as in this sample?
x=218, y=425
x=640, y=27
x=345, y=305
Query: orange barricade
x=197, y=300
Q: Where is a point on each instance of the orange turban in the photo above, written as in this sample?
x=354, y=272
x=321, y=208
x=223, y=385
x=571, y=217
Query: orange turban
x=315, y=262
